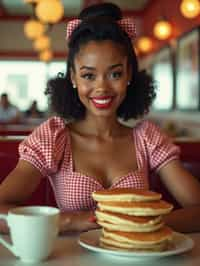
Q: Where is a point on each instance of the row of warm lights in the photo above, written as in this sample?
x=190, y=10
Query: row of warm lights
x=163, y=29
x=51, y=11
x=47, y=12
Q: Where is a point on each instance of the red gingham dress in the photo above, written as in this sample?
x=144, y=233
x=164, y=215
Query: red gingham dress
x=48, y=149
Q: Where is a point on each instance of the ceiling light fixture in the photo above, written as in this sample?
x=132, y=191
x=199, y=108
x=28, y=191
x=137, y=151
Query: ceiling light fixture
x=33, y=28
x=144, y=44
x=190, y=8
x=49, y=11
x=42, y=43
x=46, y=55
x=162, y=29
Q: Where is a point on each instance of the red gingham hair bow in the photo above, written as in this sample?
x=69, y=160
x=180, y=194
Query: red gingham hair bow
x=127, y=24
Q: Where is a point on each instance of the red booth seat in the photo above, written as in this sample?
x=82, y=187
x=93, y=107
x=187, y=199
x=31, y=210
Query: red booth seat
x=15, y=130
x=8, y=160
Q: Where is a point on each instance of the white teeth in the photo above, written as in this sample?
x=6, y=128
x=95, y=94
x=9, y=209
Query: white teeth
x=103, y=101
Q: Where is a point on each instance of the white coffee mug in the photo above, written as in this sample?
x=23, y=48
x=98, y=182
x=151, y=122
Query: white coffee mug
x=33, y=232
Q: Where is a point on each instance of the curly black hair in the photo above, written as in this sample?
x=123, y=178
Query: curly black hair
x=99, y=23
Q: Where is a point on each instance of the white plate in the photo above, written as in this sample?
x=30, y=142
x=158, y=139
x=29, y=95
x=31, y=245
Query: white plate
x=181, y=243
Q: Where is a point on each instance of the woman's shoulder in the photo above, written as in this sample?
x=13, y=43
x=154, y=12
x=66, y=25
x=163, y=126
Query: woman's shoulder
x=45, y=145
x=150, y=133
x=52, y=125
x=54, y=122
x=53, y=130
x=143, y=127
x=147, y=127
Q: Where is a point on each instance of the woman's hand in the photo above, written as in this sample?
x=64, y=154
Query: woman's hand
x=78, y=221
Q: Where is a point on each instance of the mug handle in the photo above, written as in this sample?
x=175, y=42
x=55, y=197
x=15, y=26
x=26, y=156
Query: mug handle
x=3, y=241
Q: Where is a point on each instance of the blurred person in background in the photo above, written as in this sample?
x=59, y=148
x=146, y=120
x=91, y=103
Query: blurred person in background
x=9, y=114
x=33, y=111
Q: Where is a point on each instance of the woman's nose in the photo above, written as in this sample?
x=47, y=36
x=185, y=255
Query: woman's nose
x=102, y=84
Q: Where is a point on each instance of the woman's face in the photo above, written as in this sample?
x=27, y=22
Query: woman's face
x=101, y=75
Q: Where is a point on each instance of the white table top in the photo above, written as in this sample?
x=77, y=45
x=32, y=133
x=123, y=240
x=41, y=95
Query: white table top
x=68, y=252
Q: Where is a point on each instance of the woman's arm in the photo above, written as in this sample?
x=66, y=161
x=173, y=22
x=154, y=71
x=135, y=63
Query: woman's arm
x=18, y=187
x=186, y=190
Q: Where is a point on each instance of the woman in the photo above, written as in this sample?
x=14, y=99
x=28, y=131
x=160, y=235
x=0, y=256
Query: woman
x=85, y=147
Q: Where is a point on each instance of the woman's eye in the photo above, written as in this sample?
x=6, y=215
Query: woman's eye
x=88, y=76
x=116, y=74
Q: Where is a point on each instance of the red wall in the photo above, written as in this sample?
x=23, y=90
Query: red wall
x=170, y=9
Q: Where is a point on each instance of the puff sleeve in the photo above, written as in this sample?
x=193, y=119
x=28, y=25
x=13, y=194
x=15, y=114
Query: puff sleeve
x=159, y=146
x=44, y=147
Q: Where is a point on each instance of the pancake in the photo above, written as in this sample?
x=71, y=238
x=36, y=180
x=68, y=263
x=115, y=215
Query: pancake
x=147, y=238
x=128, y=223
x=118, y=218
x=109, y=243
x=153, y=208
x=129, y=228
x=125, y=194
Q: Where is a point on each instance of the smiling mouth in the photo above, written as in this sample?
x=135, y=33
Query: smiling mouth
x=102, y=102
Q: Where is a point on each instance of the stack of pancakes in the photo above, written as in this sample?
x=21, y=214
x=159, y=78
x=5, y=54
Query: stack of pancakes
x=131, y=219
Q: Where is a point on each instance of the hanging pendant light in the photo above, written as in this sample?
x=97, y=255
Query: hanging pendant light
x=49, y=11
x=190, y=8
x=46, y=55
x=33, y=29
x=144, y=44
x=41, y=43
x=162, y=29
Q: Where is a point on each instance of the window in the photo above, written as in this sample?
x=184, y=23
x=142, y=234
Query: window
x=162, y=71
x=188, y=79
x=25, y=81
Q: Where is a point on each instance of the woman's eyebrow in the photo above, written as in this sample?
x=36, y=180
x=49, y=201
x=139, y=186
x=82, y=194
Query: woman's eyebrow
x=93, y=68
x=116, y=65
x=87, y=67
